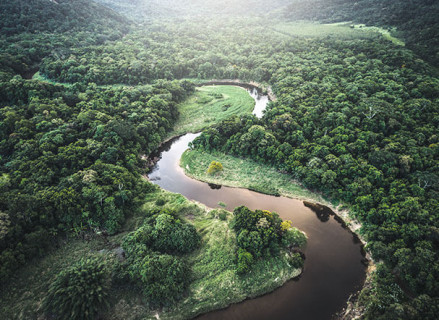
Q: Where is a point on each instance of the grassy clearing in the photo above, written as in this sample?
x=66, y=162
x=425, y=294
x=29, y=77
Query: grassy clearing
x=243, y=173
x=215, y=282
x=341, y=30
x=317, y=30
x=387, y=34
x=210, y=105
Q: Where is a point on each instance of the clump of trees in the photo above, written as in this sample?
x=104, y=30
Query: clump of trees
x=155, y=257
x=79, y=292
x=262, y=233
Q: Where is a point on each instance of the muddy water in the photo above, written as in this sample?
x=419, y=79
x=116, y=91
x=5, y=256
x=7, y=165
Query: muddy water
x=333, y=266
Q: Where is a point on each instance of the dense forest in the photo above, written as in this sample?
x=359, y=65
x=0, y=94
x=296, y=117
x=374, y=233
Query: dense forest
x=86, y=91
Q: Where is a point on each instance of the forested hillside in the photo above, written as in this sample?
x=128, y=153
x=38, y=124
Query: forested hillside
x=356, y=118
x=32, y=30
x=141, y=10
x=69, y=155
x=416, y=20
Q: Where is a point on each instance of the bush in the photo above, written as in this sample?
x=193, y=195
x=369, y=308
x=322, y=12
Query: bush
x=222, y=204
x=160, y=202
x=245, y=260
x=214, y=167
x=222, y=216
x=296, y=260
x=172, y=236
x=251, y=242
x=79, y=292
x=164, y=278
x=262, y=233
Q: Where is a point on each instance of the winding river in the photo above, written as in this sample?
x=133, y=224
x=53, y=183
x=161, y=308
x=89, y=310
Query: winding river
x=333, y=267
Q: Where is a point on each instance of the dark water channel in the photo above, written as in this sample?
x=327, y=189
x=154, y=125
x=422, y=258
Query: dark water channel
x=333, y=266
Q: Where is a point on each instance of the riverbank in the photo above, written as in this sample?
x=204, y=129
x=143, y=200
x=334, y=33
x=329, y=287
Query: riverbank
x=248, y=174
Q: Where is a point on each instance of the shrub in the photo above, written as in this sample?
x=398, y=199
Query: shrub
x=214, y=167
x=222, y=216
x=172, y=236
x=164, y=278
x=226, y=106
x=138, y=241
x=222, y=204
x=79, y=292
x=262, y=233
x=245, y=260
x=160, y=202
x=251, y=242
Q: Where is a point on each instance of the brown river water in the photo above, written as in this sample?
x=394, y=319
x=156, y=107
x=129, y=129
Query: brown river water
x=333, y=266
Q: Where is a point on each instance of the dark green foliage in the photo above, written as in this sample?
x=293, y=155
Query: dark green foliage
x=166, y=233
x=260, y=233
x=293, y=238
x=79, y=292
x=34, y=29
x=58, y=16
x=222, y=216
x=160, y=202
x=162, y=278
x=172, y=236
x=296, y=260
x=355, y=118
x=245, y=260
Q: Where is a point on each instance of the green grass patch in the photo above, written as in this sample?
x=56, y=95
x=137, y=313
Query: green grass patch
x=308, y=29
x=387, y=34
x=244, y=173
x=340, y=30
x=210, y=105
x=215, y=283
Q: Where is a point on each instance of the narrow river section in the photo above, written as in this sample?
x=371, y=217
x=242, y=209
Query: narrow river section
x=333, y=267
